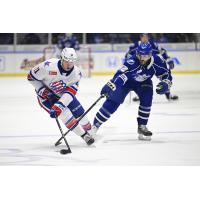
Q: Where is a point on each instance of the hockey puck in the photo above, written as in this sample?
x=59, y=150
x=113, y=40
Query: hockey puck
x=65, y=151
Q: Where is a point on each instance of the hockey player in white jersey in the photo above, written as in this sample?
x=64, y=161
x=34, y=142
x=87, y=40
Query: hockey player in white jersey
x=56, y=84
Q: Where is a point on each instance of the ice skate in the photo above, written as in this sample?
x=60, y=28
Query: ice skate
x=93, y=133
x=144, y=133
x=88, y=138
x=93, y=130
x=171, y=97
x=136, y=99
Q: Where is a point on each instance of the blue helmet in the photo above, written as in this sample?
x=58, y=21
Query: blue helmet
x=144, y=49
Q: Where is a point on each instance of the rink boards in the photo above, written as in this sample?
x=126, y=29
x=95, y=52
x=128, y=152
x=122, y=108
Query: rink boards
x=104, y=62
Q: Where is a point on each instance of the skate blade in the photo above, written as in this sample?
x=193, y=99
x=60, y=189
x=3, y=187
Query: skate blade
x=144, y=138
x=90, y=142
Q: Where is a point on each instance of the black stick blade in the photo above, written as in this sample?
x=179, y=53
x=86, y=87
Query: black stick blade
x=65, y=151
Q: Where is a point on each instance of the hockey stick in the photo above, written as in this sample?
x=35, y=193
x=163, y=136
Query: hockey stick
x=81, y=117
x=62, y=151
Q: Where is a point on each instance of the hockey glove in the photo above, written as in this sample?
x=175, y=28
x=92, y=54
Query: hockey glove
x=56, y=109
x=108, y=89
x=58, y=87
x=163, y=87
x=170, y=62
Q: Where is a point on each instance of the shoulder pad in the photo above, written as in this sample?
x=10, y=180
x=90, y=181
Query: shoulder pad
x=159, y=58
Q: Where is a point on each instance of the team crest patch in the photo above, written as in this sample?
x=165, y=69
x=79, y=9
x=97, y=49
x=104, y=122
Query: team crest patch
x=130, y=61
x=52, y=73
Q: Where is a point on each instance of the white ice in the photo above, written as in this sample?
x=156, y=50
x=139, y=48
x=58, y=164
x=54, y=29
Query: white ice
x=27, y=134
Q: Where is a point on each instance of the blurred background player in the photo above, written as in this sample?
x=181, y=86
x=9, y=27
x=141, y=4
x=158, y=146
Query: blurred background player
x=144, y=38
x=56, y=84
x=67, y=40
x=135, y=75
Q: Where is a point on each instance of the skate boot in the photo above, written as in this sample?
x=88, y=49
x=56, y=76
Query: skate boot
x=171, y=97
x=136, y=99
x=144, y=133
x=88, y=138
x=93, y=132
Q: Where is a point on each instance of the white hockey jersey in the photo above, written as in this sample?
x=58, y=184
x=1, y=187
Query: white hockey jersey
x=49, y=72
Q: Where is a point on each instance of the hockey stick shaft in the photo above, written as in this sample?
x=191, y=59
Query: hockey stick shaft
x=63, y=136
x=61, y=131
x=81, y=117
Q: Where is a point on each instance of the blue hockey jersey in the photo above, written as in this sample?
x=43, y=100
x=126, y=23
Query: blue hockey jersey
x=133, y=73
x=70, y=42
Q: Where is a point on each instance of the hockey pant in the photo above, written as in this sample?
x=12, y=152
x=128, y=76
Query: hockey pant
x=144, y=92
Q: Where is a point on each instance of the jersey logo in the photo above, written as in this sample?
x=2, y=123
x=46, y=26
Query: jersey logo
x=141, y=78
x=130, y=61
x=36, y=70
x=47, y=63
x=52, y=73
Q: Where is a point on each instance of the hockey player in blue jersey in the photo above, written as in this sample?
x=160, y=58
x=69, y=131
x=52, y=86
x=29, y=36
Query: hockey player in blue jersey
x=144, y=37
x=135, y=75
x=69, y=41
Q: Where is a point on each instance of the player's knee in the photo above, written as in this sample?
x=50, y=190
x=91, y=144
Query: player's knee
x=147, y=88
x=76, y=108
x=146, y=91
x=110, y=106
x=146, y=95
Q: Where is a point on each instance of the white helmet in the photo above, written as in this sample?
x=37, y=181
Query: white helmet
x=69, y=54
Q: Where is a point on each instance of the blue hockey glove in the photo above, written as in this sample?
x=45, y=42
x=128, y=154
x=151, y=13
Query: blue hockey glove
x=163, y=87
x=170, y=62
x=108, y=89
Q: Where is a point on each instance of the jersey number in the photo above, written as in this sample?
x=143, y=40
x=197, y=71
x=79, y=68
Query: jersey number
x=36, y=70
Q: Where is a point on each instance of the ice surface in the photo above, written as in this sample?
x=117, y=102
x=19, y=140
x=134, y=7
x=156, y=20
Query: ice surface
x=27, y=134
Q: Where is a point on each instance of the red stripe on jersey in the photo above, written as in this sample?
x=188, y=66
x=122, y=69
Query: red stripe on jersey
x=30, y=78
x=71, y=91
x=71, y=123
x=56, y=83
